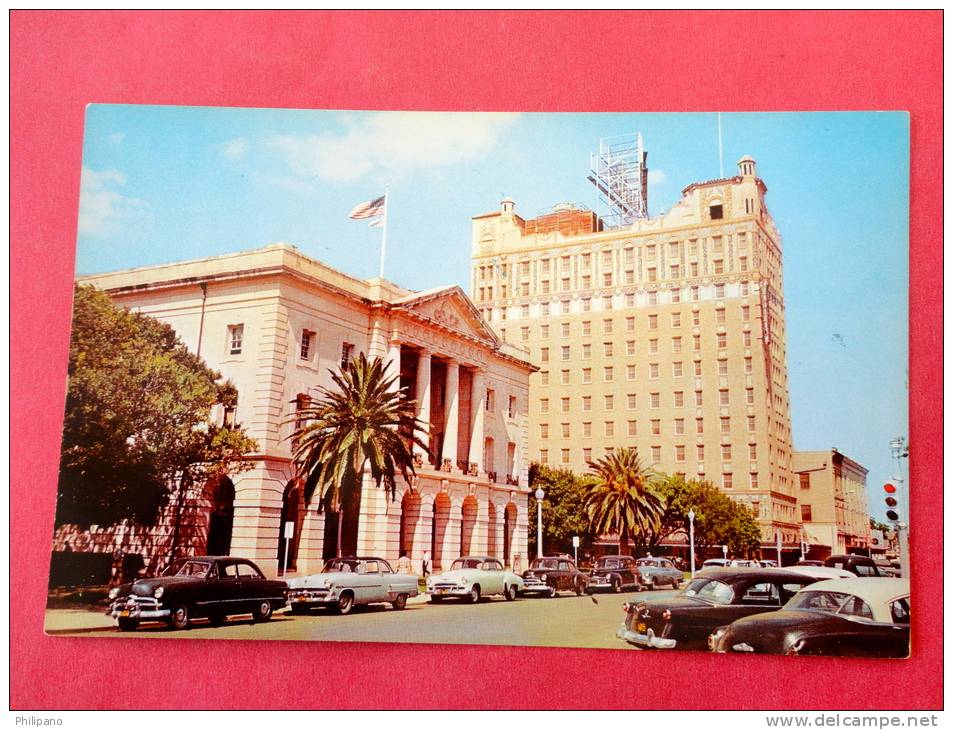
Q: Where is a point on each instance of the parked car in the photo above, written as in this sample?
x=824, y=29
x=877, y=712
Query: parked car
x=887, y=567
x=745, y=564
x=209, y=587
x=473, y=577
x=860, y=565
x=717, y=596
x=857, y=617
x=614, y=573
x=658, y=573
x=550, y=575
x=810, y=562
x=769, y=563
x=348, y=582
x=821, y=572
x=716, y=563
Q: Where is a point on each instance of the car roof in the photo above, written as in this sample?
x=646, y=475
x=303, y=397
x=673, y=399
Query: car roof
x=355, y=557
x=819, y=571
x=871, y=588
x=477, y=557
x=729, y=574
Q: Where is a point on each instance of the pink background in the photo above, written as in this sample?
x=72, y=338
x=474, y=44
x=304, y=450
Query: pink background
x=522, y=61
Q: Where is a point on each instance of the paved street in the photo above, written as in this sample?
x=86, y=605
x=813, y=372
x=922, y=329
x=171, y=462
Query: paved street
x=568, y=621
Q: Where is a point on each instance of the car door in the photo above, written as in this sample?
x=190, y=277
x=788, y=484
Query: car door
x=226, y=593
x=370, y=583
x=252, y=586
x=491, y=577
x=750, y=598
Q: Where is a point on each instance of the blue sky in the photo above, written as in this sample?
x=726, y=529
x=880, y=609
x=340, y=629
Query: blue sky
x=172, y=183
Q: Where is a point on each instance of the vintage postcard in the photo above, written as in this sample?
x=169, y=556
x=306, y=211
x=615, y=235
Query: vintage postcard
x=574, y=380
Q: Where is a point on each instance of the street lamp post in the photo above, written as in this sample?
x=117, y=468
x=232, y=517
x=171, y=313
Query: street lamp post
x=691, y=541
x=539, y=521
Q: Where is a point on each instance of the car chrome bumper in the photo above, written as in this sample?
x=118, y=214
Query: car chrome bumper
x=648, y=640
x=442, y=591
x=535, y=588
x=136, y=612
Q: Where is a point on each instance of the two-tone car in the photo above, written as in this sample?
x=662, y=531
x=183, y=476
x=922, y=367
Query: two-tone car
x=549, y=575
x=856, y=617
x=473, y=577
x=716, y=596
x=658, y=573
x=348, y=582
x=212, y=587
x=613, y=573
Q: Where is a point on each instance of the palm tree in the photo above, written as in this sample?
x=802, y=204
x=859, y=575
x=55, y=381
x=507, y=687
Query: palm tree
x=622, y=499
x=365, y=421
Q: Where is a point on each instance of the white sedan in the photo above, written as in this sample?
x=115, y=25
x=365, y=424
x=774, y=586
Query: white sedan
x=473, y=577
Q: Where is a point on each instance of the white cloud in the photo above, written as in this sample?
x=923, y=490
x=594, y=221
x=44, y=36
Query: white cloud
x=657, y=177
x=391, y=143
x=235, y=149
x=102, y=210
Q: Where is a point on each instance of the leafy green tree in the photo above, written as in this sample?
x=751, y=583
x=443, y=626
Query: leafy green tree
x=622, y=498
x=366, y=421
x=564, y=512
x=137, y=433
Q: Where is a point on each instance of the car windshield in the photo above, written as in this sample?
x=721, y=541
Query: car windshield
x=712, y=591
x=341, y=566
x=609, y=563
x=648, y=561
x=190, y=568
x=466, y=563
x=835, y=602
x=545, y=563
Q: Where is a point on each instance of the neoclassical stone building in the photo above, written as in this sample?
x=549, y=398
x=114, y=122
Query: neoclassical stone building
x=275, y=322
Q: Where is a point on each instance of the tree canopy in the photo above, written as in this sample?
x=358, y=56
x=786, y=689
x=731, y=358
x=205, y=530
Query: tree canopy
x=564, y=513
x=137, y=423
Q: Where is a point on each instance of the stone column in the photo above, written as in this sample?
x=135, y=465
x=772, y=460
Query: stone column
x=477, y=409
x=423, y=403
x=452, y=409
x=393, y=364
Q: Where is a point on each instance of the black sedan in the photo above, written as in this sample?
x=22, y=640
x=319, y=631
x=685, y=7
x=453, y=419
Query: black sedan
x=715, y=597
x=208, y=586
x=857, y=617
x=550, y=575
x=614, y=573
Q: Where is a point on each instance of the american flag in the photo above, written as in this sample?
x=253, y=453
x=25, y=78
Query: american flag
x=370, y=209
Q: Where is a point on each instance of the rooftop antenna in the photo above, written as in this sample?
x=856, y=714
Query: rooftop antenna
x=721, y=162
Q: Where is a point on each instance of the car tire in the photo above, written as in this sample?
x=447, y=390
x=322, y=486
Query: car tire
x=128, y=624
x=474, y=595
x=179, y=617
x=553, y=593
x=580, y=589
x=510, y=592
x=653, y=584
x=400, y=602
x=436, y=599
x=262, y=612
x=345, y=604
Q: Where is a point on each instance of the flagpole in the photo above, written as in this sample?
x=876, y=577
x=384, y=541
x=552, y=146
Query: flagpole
x=384, y=234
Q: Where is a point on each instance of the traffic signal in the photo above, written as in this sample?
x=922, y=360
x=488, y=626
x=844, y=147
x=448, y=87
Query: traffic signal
x=893, y=506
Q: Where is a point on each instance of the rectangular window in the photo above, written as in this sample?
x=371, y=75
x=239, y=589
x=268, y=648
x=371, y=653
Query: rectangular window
x=654, y=400
x=607, y=279
x=608, y=402
x=698, y=398
x=544, y=309
x=564, y=429
x=511, y=406
x=587, y=375
x=630, y=347
x=524, y=289
x=753, y=452
x=679, y=452
x=653, y=321
x=700, y=452
x=587, y=428
x=630, y=324
x=307, y=337
x=719, y=266
x=544, y=377
x=630, y=372
x=679, y=426
x=524, y=333
x=726, y=482
x=753, y=477
x=696, y=318
x=676, y=319
x=565, y=353
x=722, y=340
x=726, y=452
x=607, y=303
x=490, y=401
x=607, y=373
x=524, y=310
x=698, y=367
x=653, y=347
x=694, y=288
x=587, y=403
x=586, y=327
x=564, y=284
x=609, y=428
x=652, y=274
x=586, y=304
x=632, y=428
x=347, y=350
x=607, y=349
x=236, y=333
x=726, y=424
x=676, y=296
x=656, y=425
x=544, y=354
x=564, y=306
x=653, y=370
x=723, y=397
x=719, y=291
x=544, y=331
x=564, y=455
x=586, y=351
x=564, y=329
x=630, y=401
x=629, y=276
x=544, y=430
x=676, y=344
x=586, y=281
x=656, y=454
x=748, y=365
x=746, y=339
x=544, y=456
x=806, y=513
x=804, y=480
x=677, y=369
x=630, y=300
x=746, y=313
x=720, y=316
x=722, y=368
x=678, y=397
x=587, y=455
x=565, y=404
x=564, y=377
x=696, y=342
x=699, y=425
x=544, y=405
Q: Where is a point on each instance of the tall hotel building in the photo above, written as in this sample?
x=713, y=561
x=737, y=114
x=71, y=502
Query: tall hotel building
x=666, y=334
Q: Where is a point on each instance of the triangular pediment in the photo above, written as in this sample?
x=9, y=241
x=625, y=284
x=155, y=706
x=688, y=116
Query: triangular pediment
x=451, y=308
